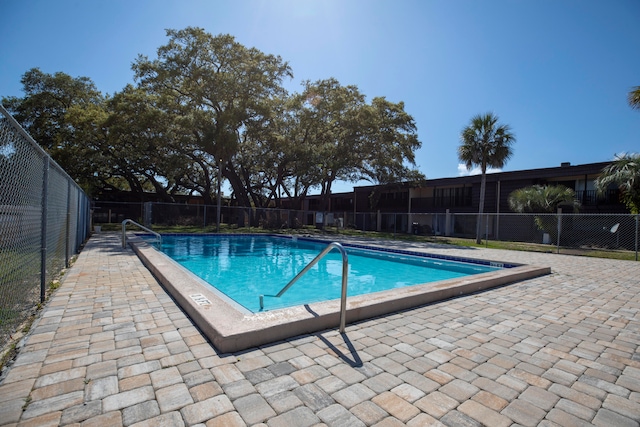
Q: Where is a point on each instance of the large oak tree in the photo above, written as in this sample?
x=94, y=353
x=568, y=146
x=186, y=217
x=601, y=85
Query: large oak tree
x=222, y=86
x=207, y=106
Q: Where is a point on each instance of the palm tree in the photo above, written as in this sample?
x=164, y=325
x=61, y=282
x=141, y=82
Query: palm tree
x=539, y=198
x=485, y=143
x=634, y=98
x=624, y=172
x=543, y=199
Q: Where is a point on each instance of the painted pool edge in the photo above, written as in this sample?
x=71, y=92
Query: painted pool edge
x=232, y=330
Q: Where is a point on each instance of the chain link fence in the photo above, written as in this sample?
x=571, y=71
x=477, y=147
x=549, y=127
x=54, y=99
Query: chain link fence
x=205, y=217
x=44, y=219
x=562, y=233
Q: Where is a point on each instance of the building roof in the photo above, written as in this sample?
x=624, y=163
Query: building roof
x=564, y=170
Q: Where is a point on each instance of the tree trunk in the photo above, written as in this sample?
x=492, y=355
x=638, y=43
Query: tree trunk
x=483, y=185
x=134, y=184
x=237, y=185
x=160, y=190
x=206, y=197
x=325, y=195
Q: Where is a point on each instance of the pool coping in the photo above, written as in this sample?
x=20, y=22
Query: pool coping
x=230, y=329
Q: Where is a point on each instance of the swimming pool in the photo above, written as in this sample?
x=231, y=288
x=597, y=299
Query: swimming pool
x=231, y=328
x=245, y=267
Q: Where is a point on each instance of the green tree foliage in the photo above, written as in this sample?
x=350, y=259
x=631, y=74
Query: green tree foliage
x=47, y=99
x=623, y=173
x=331, y=117
x=394, y=140
x=208, y=108
x=87, y=159
x=128, y=143
x=144, y=143
x=276, y=157
x=43, y=113
x=485, y=143
x=341, y=137
x=543, y=199
x=391, y=144
x=221, y=87
x=634, y=97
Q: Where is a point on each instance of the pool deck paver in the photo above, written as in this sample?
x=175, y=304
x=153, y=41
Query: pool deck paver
x=112, y=348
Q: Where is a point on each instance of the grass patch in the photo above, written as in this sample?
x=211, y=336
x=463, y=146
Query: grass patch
x=27, y=401
x=8, y=354
x=22, y=320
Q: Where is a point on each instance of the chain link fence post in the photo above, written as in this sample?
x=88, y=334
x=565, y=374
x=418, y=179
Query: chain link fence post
x=637, y=216
x=67, y=233
x=204, y=217
x=486, y=230
x=559, y=228
x=43, y=229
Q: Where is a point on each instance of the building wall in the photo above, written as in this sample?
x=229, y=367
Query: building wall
x=440, y=195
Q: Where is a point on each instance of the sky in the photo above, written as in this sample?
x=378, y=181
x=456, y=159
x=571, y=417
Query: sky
x=556, y=71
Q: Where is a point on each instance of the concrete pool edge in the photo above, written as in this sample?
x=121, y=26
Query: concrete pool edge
x=231, y=329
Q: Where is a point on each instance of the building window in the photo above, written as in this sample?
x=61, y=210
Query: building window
x=452, y=197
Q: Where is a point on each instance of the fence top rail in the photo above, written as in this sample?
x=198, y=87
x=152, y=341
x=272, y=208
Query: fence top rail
x=562, y=213
x=630, y=215
x=102, y=204
x=14, y=123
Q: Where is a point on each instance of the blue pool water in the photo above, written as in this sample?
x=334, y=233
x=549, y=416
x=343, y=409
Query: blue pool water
x=244, y=267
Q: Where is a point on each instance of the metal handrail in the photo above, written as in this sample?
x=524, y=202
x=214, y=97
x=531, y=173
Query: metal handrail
x=345, y=271
x=124, y=232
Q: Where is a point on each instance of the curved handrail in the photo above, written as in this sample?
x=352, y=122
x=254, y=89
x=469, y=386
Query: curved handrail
x=345, y=271
x=124, y=232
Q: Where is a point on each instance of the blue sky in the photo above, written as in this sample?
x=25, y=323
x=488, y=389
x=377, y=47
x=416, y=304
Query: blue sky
x=557, y=71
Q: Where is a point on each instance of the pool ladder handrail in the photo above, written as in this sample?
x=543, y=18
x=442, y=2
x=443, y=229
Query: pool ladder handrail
x=124, y=232
x=345, y=271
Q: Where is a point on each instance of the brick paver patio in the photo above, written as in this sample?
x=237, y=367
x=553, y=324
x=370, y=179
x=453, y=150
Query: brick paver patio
x=112, y=348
